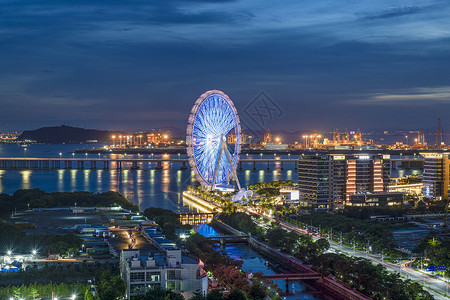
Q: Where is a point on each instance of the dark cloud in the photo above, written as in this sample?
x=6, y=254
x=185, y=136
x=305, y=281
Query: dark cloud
x=395, y=12
x=140, y=64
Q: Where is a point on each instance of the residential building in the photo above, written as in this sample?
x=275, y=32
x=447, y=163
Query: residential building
x=164, y=267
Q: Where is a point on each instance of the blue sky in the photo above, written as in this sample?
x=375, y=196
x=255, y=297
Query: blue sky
x=141, y=64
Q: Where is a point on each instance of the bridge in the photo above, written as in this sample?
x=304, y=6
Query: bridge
x=118, y=163
x=295, y=276
x=224, y=239
x=156, y=163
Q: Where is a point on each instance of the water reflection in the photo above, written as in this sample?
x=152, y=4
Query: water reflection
x=86, y=179
x=26, y=179
x=61, y=179
x=147, y=188
x=73, y=180
x=1, y=185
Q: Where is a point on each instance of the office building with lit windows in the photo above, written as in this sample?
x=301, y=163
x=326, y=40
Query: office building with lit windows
x=436, y=174
x=328, y=181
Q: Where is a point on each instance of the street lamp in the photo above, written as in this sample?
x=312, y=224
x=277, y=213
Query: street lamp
x=60, y=154
x=9, y=252
x=114, y=140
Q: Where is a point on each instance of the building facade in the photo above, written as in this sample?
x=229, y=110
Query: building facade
x=168, y=270
x=315, y=181
x=436, y=175
x=328, y=181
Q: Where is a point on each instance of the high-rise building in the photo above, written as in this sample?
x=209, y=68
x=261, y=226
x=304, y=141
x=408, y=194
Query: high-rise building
x=314, y=177
x=436, y=175
x=329, y=181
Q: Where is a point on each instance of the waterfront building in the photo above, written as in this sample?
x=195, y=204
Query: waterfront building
x=328, y=181
x=165, y=266
x=436, y=175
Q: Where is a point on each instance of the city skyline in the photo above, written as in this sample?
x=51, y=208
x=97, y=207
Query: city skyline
x=140, y=65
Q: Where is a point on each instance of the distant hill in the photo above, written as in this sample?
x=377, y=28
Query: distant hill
x=66, y=134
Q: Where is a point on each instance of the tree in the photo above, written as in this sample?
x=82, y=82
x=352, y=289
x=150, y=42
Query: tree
x=322, y=245
x=257, y=291
x=197, y=296
x=236, y=295
x=88, y=295
x=110, y=287
x=33, y=292
x=158, y=293
x=214, y=295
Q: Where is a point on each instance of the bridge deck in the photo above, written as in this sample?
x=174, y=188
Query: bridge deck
x=298, y=276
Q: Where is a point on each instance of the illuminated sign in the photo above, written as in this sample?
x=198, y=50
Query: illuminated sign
x=386, y=156
x=364, y=157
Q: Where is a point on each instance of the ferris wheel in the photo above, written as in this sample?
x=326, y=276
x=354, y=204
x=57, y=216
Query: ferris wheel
x=213, y=140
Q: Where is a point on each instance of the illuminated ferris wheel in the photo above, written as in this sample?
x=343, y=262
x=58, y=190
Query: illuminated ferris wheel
x=213, y=140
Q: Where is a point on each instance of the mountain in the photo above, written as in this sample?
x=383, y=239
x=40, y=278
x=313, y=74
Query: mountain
x=66, y=134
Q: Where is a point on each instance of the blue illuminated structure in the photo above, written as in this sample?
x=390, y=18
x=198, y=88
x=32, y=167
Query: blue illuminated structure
x=213, y=140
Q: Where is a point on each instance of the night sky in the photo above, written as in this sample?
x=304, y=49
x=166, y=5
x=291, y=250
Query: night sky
x=142, y=64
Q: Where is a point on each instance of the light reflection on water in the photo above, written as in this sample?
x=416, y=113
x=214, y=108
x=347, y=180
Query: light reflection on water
x=1, y=185
x=161, y=188
x=25, y=179
x=146, y=187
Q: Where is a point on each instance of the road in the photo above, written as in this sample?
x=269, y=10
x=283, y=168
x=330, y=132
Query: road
x=431, y=284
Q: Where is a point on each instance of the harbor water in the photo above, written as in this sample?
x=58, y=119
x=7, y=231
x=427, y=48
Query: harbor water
x=146, y=187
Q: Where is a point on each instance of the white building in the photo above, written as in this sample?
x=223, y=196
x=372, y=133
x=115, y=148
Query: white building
x=289, y=195
x=169, y=270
